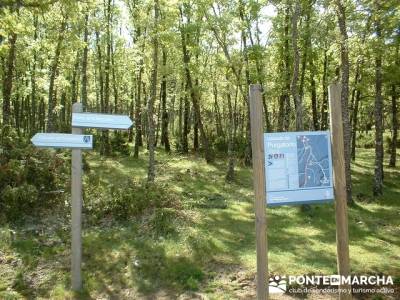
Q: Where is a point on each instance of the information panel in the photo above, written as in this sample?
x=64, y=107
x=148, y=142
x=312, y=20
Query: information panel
x=298, y=167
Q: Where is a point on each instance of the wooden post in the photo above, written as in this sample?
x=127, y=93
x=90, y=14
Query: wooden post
x=76, y=215
x=257, y=145
x=342, y=234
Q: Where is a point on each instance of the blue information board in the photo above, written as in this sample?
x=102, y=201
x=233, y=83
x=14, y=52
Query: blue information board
x=298, y=167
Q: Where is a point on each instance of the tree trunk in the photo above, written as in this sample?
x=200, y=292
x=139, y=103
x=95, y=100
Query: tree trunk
x=218, y=121
x=314, y=104
x=138, y=110
x=63, y=116
x=307, y=55
x=51, y=117
x=171, y=110
x=150, y=105
x=355, y=100
x=101, y=85
x=105, y=133
x=230, y=174
x=145, y=123
x=395, y=122
x=194, y=94
x=131, y=113
x=16, y=106
x=101, y=79
x=393, y=144
x=84, y=64
x=223, y=44
x=195, y=132
x=158, y=127
x=356, y=95
x=33, y=106
x=324, y=106
x=114, y=80
x=355, y=123
x=185, y=142
x=295, y=78
x=74, y=81
x=259, y=71
x=42, y=114
x=164, y=125
x=284, y=99
x=378, y=178
x=247, y=158
x=8, y=80
x=180, y=118
x=344, y=55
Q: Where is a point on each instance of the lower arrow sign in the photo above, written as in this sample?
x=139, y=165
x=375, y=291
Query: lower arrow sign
x=63, y=140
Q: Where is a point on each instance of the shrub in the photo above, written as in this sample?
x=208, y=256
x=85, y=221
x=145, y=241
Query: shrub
x=240, y=144
x=220, y=144
x=161, y=221
x=185, y=273
x=28, y=176
x=18, y=199
x=119, y=144
x=132, y=199
x=365, y=140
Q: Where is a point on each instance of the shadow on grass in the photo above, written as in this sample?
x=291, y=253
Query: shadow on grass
x=124, y=261
x=143, y=265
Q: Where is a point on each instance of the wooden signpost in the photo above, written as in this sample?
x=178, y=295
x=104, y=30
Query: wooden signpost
x=76, y=210
x=78, y=142
x=257, y=145
x=259, y=178
x=342, y=231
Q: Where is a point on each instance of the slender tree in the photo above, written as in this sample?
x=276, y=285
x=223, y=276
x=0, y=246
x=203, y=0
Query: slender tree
x=230, y=174
x=296, y=62
x=378, y=177
x=193, y=90
x=164, y=127
x=33, y=108
x=394, y=97
x=8, y=79
x=51, y=114
x=84, y=96
x=150, y=105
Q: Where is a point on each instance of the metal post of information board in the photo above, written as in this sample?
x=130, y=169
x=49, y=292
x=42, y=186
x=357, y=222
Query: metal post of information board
x=257, y=145
x=76, y=214
x=342, y=234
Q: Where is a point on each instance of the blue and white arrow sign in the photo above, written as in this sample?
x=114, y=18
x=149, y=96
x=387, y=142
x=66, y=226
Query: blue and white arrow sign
x=101, y=121
x=63, y=140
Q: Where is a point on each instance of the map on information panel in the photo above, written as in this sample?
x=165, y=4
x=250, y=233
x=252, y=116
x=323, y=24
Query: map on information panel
x=298, y=167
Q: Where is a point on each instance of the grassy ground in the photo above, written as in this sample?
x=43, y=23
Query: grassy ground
x=211, y=251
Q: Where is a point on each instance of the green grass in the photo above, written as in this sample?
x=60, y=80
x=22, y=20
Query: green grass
x=212, y=251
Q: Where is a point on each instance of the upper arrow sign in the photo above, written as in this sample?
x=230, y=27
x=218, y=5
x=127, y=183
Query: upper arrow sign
x=62, y=140
x=101, y=121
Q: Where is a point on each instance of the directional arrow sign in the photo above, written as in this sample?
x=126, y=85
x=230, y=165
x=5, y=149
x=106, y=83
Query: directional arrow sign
x=101, y=121
x=62, y=140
